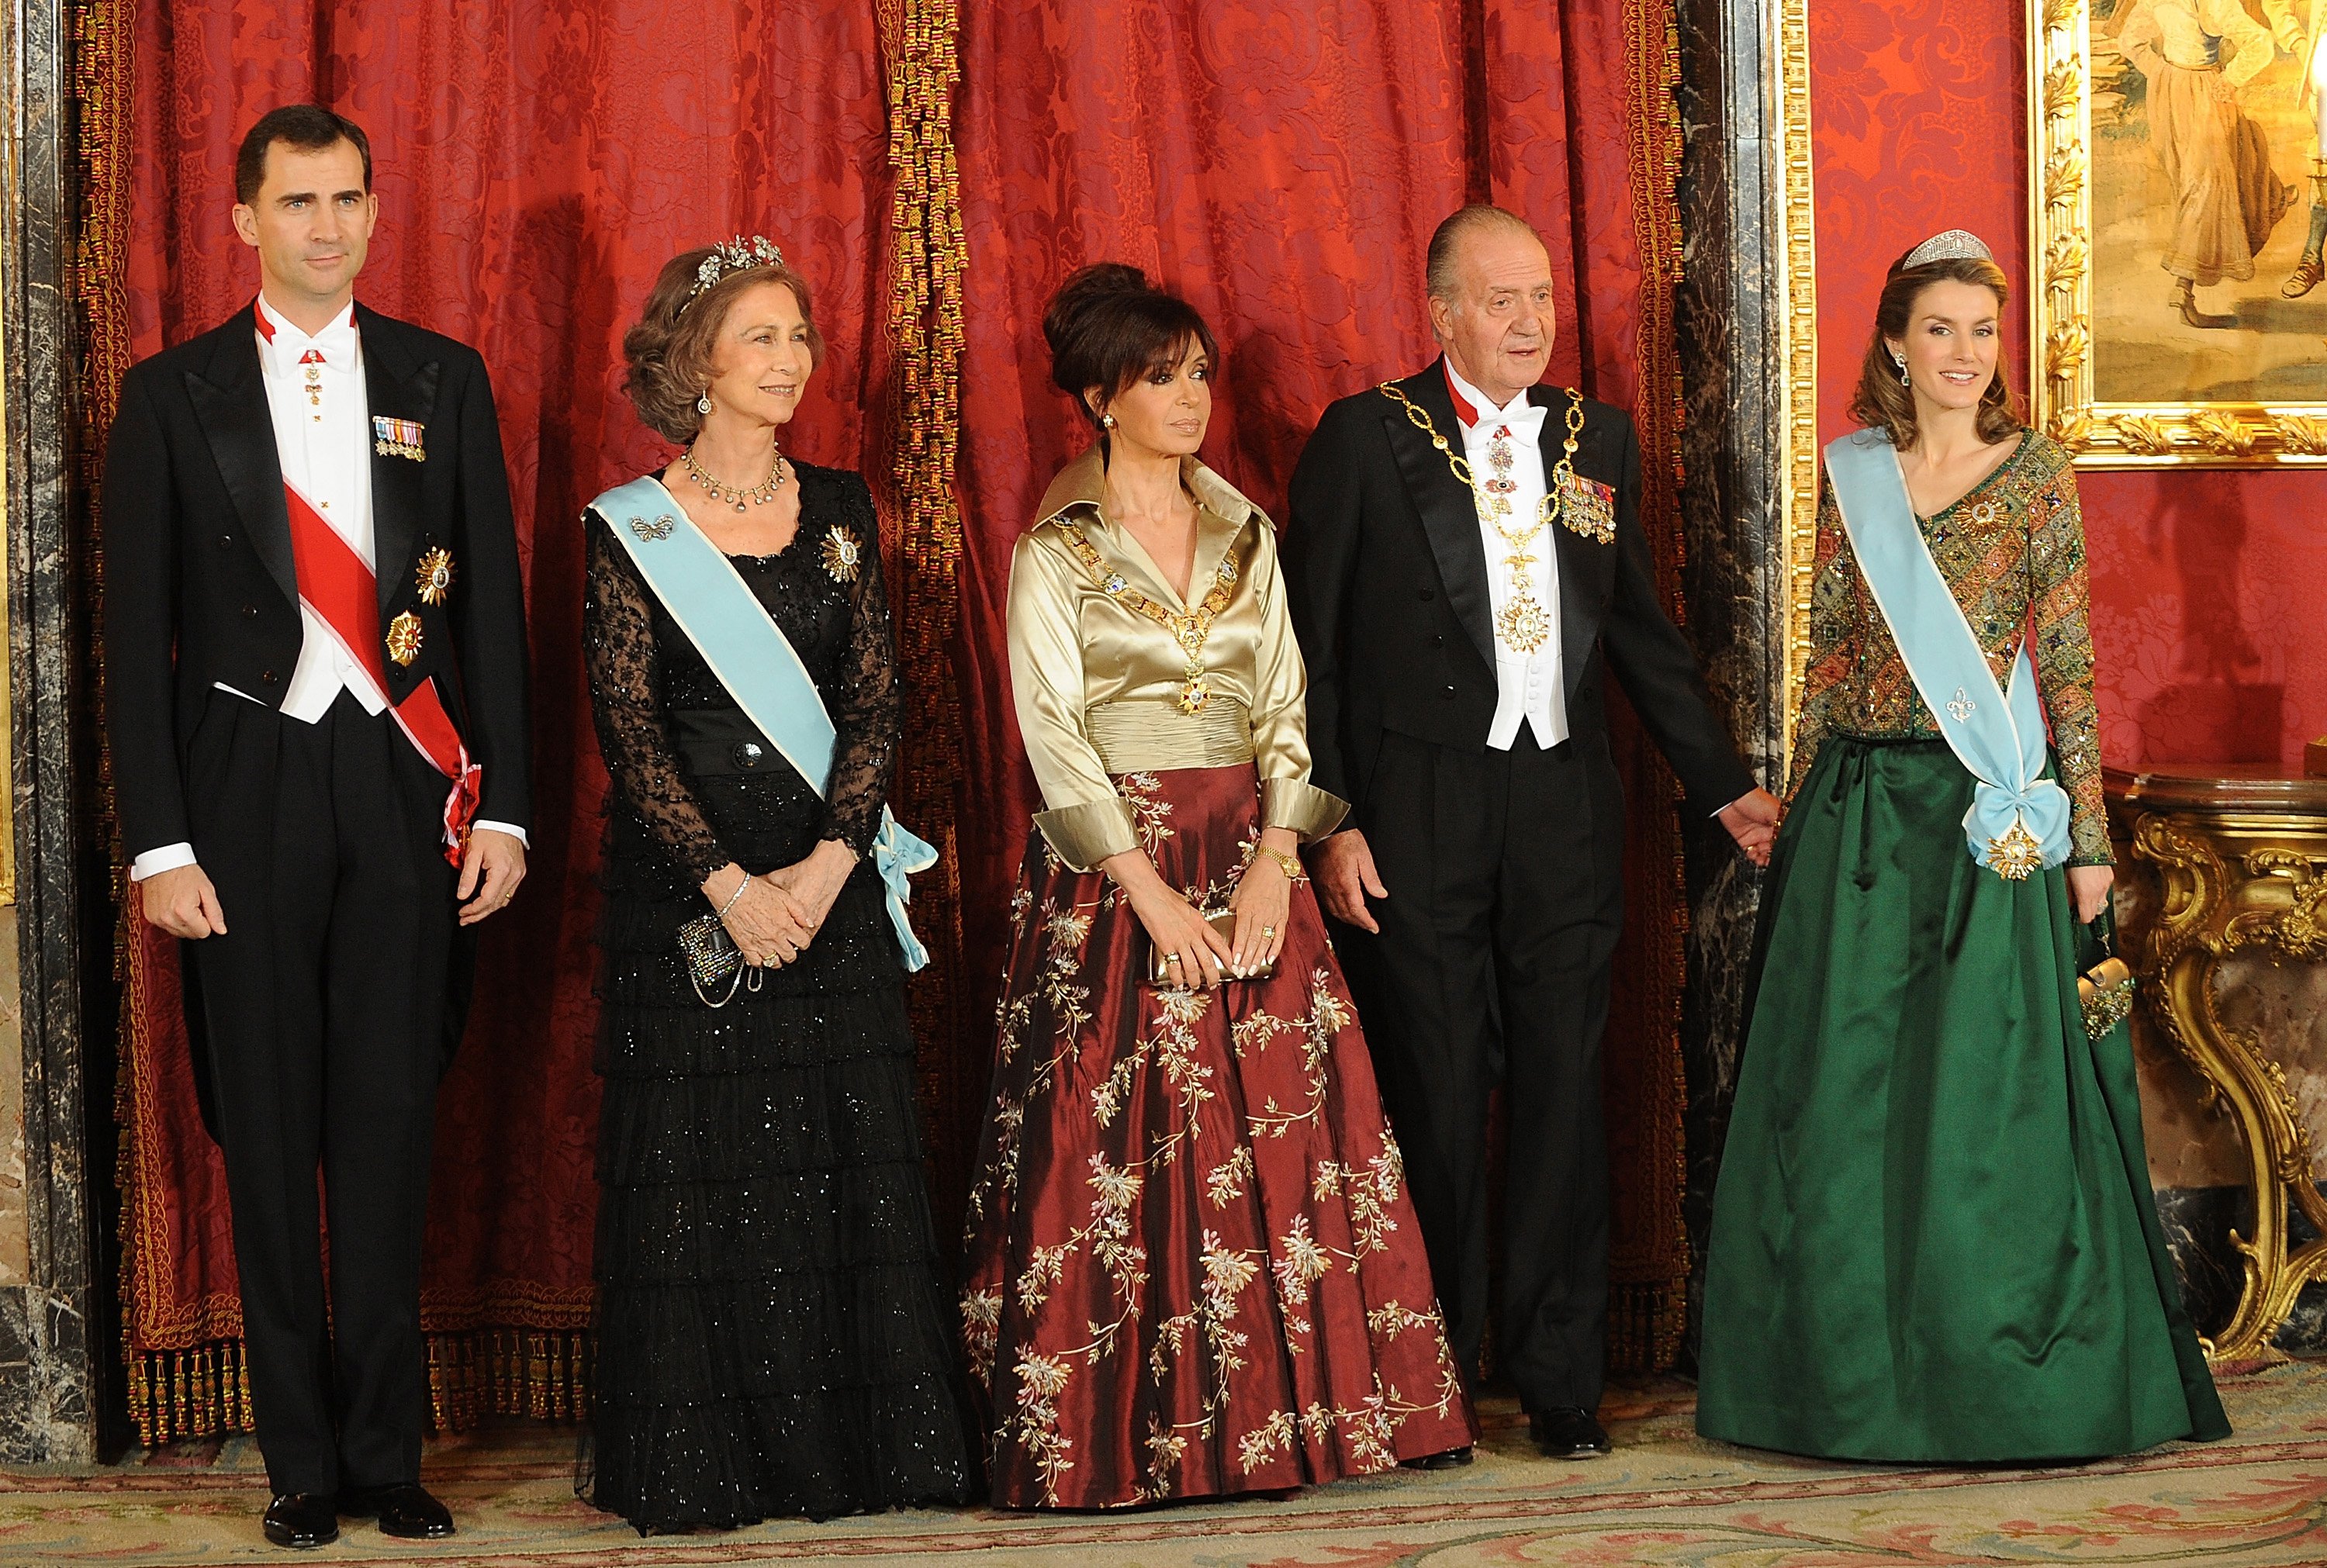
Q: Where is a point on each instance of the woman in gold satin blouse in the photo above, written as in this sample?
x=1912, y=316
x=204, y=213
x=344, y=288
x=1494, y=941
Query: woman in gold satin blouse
x=1192, y=1265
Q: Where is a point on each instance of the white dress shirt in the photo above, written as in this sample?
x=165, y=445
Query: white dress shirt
x=1530, y=686
x=321, y=414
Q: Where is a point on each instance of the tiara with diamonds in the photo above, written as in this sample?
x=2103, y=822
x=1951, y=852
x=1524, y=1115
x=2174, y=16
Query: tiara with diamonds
x=741, y=254
x=1955, y=245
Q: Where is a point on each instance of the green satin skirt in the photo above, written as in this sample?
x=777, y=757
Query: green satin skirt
x=1933, y=1238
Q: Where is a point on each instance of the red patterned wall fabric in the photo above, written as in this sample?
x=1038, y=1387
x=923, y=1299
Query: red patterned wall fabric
x=1282, y=162
x=2204, y=620
x=537, y=164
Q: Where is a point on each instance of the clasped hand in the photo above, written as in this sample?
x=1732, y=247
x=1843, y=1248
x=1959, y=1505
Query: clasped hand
x=778, y=914
x=1194, y=954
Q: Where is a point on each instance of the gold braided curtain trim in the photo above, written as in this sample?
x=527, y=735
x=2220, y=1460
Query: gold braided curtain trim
x=924, y=329
x=204, y=1391
x=1648, y=1319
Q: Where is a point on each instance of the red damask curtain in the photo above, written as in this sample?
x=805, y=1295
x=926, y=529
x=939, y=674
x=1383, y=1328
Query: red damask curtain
x=1281, y=161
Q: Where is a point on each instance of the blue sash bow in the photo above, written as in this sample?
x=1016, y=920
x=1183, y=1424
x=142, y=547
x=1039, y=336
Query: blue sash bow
x=2019, y=820
x=753, y=659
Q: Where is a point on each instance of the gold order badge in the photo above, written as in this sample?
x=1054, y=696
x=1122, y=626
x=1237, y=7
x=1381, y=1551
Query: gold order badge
x=434, y=575
x=404, y=638
x=2015, y=856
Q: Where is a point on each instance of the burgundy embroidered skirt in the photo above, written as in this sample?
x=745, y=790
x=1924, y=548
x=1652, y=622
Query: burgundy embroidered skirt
x=1192, y=1268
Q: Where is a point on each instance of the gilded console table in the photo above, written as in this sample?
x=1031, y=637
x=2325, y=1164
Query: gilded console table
x=2241, y=851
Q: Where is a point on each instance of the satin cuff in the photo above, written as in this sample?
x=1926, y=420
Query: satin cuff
x=1083, y=835
x=1300, y=806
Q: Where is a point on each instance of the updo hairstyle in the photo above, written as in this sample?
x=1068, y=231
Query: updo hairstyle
x=1107, y=326
x=1882, y=401
x=670, y=349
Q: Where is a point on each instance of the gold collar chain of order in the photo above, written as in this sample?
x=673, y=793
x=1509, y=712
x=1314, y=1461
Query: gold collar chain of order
x=1524, y=623
x=1188, y=628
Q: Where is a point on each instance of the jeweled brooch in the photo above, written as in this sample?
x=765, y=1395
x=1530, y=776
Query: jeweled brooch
x=435, y=576
x=404, y=638
x=843, y=556
x=649, y=529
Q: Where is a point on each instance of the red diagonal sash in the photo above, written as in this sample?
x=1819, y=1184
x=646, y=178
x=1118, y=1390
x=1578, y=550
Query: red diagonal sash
x=335, y=583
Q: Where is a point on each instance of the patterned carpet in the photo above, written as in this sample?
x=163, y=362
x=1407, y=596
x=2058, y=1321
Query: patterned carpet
x=1664, y=1499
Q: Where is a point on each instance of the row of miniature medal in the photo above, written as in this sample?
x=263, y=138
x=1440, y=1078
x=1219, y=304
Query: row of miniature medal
x=433, y=575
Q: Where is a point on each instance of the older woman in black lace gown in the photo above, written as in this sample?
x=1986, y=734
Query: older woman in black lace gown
x=772, y=1337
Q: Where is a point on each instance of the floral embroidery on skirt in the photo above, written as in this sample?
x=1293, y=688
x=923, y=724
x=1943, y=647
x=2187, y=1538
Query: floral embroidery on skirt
x=1192, y=1265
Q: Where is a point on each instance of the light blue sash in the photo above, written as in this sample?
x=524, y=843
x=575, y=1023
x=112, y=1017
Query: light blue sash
x=753, y=659
x=1999, y=739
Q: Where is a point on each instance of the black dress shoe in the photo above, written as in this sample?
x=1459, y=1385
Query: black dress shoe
x=1569, y=1433
x=406, y=1510
x=302, y=1519
x=1453, y=1459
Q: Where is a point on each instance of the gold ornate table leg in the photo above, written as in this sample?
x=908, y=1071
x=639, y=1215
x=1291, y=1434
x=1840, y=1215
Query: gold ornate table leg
x=2238, y=881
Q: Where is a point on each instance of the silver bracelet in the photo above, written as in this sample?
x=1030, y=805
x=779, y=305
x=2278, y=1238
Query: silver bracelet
x=736, y=894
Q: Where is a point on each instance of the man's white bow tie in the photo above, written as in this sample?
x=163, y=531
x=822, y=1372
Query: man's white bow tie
x=336, y=343
x=1525, y=422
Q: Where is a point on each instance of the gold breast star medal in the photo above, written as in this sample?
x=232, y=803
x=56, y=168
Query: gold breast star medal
x=2017, y=855
x=434, y=576
x=404, y=638
x=844, y=557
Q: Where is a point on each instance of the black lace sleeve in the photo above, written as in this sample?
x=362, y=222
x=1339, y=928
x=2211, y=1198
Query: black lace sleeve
x=618, y=648
x=865, y=704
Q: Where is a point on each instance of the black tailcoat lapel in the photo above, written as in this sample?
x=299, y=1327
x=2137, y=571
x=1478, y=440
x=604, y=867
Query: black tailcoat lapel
x=230, y=399
x=1449, y=512
x=1586, y=567
x=397, y=385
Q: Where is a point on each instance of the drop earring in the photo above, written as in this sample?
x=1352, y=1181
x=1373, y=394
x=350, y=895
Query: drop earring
x=703, y=404
x=1905, y=379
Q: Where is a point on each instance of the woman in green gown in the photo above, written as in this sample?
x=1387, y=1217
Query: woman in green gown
x=1934, y=1237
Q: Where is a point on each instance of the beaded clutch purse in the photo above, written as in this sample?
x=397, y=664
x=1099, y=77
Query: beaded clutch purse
x=712, y=957
x=2106, y=993
x=2105, y=988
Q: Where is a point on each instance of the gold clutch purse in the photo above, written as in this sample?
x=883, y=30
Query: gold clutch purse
x=1159, y=971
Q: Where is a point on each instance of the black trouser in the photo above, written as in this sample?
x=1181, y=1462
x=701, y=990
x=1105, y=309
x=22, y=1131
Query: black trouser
x=322, y=1017
x=1506, y=896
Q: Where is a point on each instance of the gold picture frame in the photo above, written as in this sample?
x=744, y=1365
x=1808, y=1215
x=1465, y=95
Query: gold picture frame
x=1797, y=487
x=2134, y=381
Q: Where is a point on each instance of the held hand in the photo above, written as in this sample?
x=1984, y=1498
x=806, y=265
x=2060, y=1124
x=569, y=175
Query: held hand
x=1264, y=907
x=1751, y=820
x=491, y=868
x=183, y=903
x=1343, y=869
x=1194, y=953
x=2089, y=890
x=814, y=881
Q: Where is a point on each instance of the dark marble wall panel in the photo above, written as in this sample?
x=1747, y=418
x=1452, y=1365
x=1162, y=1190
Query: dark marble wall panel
x=1731, y=448
x=49, y=1365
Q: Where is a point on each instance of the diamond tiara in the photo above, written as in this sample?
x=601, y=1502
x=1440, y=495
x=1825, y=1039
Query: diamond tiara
x=1955, y=245
x=740, y=254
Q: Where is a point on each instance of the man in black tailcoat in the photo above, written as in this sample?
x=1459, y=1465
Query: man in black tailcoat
x=315, y=674
x=1464, y=564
